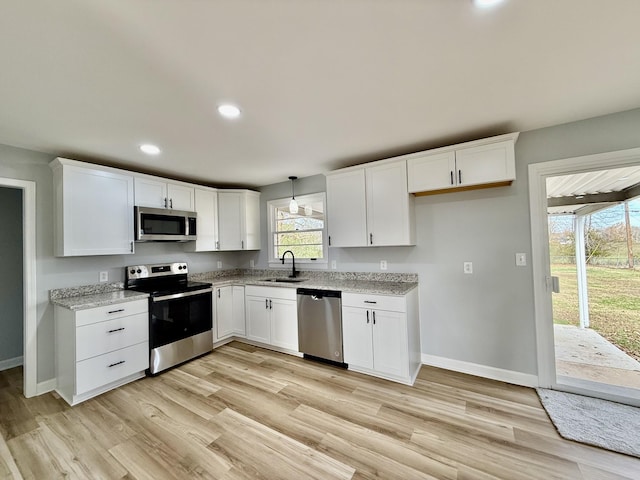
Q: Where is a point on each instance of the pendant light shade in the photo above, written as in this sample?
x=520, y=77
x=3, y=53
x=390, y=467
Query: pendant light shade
x=293, y=204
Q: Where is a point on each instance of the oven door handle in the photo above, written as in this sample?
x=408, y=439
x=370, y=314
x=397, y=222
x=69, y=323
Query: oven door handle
x=181, y=295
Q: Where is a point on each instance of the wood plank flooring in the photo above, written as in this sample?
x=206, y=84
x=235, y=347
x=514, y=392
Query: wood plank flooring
x=243, y=412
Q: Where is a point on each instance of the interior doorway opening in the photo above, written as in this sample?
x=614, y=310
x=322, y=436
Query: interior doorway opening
x=29, y=302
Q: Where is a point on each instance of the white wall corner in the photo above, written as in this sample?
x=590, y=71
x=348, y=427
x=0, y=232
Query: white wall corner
x=493, y=373
x=46, y=386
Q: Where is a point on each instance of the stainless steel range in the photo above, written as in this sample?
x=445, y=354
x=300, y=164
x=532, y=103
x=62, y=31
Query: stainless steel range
x=180, y=313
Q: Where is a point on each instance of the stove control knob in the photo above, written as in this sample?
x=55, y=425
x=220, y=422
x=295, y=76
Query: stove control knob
x=139, y=271
x=132, y=271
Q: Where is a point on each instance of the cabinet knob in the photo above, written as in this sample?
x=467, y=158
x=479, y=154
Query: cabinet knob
x=374, y=317
x=171, y=203
x=367, y=316
x=371, y=238
x=451, y=173
x=459, y=177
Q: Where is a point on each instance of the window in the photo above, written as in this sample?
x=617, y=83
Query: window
x=303, y=233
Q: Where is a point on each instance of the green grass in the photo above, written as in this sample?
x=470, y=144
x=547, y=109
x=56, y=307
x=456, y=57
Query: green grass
x=614, y=303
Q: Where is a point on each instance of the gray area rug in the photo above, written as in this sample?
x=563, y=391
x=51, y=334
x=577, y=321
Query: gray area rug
x=605, y=424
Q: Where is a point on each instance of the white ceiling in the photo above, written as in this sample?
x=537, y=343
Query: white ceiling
x=322, y=83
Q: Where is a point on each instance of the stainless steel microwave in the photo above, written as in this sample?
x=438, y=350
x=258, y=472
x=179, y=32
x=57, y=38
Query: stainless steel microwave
x=164, y=225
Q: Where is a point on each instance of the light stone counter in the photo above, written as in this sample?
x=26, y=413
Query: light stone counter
x=90, y=296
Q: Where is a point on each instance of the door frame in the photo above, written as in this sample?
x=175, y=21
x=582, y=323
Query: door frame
x=30, y=306
x=538, y=173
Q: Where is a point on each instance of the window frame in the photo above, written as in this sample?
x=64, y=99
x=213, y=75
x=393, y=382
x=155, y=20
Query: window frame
x=272, y=205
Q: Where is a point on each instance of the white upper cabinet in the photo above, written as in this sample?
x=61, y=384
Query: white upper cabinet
x=370, y=206
x=93, y=209
x=238, y=220
x=347, y=209
x=389, y=205
x=160, y=193
x=206, y=206
x=487, y=162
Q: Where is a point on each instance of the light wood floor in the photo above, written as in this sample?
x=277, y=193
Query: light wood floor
x=246, y=413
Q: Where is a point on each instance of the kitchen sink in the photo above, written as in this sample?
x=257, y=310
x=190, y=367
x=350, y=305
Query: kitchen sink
x=283, y=280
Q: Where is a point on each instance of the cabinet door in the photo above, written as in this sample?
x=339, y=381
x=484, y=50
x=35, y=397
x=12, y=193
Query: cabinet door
x=390, y=345
x=347, y=209
x=388, y=205
x=432, y=172
x=94, y=212
x=251, y=226
x=230, y=220
x=224, y=312
x=238, y=311
x=181, y=197
x=258, y=319
x=151, y=193
x=486, y=164
x=357, y=337
x=206, y=206
x=284, y=324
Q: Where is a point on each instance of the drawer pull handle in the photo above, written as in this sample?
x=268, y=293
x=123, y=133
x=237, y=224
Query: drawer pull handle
x=116, y=311
x=370, y=301
x=115, y=330
x=117, y=363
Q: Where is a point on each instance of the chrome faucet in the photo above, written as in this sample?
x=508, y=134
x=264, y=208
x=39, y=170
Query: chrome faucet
x=293, y=263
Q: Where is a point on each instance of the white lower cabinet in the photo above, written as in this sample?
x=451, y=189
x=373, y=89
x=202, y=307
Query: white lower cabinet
x=100, y=348
x=272, y=316
x=229, y=312
x=381, y=335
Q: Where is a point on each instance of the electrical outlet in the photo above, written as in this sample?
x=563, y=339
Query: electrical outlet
x=104, y=276
x=334, y=264
x=219, y=263
x=252, y=263
x=383, y=264
x=521, y=259
x=467, y=267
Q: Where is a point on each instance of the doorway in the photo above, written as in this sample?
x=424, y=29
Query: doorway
x=27, y=190
x=539, y=176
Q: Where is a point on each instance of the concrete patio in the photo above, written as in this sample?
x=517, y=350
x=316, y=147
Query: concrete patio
x=584, y=354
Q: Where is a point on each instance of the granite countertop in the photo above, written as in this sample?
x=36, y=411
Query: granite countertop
x=91, y=296
x=313, y=280
x=81, y=298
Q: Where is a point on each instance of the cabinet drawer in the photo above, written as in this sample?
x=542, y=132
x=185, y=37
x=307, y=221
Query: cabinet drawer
x=103, y=337
x=283, y=293
x=117, y=310
x=110, y=367
x=392, y=303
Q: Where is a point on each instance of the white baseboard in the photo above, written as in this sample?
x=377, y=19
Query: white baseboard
x=11, y=363
x=508, y=376
x=46, y=386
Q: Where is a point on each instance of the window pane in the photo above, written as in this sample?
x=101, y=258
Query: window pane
x=287, y=222
x=302, y=244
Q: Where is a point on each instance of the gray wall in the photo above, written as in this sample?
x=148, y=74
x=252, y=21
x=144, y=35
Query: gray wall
x=11, y=308
x=486, y=318
x=53, y=272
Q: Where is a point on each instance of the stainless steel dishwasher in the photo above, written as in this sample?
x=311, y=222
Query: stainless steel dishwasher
x=320, y=324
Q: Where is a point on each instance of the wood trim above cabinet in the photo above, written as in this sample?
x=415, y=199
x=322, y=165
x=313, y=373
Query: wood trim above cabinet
x=463, y=189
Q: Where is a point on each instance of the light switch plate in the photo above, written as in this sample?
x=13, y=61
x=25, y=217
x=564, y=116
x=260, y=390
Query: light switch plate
x=252, y=263
x=521, y=259
x=334, y=264
x=383, y=264
x=104, y=276
x=467, y=267
x=219, y=263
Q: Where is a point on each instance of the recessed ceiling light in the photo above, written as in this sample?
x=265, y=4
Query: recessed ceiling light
x=228, y=110
x=150, y=149
x=486, y=3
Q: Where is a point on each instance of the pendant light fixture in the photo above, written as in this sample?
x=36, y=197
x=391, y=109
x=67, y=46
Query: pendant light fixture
x=293, y=204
